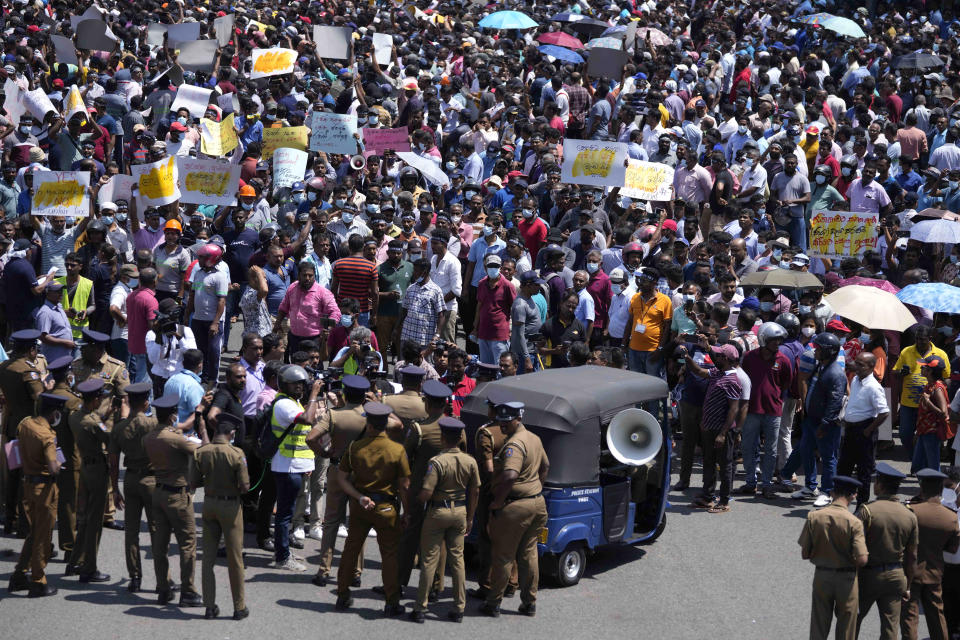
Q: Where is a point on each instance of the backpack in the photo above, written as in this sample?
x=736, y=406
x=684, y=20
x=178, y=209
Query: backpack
x=267, y=443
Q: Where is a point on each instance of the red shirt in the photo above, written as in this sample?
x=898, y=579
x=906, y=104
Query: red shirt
x=141, y=309
x=601, y=291
x=769, y=380
x=534, y=234
x=494, y=304
x=831, y=162
x=460, y=392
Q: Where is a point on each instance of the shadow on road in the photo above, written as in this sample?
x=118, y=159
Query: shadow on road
x=327, y=607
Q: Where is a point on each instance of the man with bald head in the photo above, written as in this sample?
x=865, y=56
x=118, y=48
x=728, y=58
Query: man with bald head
x=743, y=264
x=866, y=411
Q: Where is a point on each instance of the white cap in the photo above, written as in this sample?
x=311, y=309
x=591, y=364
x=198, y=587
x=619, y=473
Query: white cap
x=108, y=206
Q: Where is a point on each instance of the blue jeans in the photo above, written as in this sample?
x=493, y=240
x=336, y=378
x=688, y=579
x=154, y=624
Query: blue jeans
x=490, y=350
x=288, y=487
x=829, y=448
x=753, y=426
x=908, y=425
x=797, y=228
x=641, y=362
x=119, y=350
x=926, y=452
x=139, y=368
x=363, y=319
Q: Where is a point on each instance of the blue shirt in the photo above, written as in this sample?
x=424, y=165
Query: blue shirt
x=186, y=385
x=52, y=319
x=254, y=133
x=478, y=250
x=910, y=181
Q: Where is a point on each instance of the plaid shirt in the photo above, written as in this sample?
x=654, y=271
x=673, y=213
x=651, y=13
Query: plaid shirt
x=579, y=98
x=423, y=304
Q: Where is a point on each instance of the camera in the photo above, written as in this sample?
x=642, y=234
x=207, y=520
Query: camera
x=316, y=374
x=167, y=323
x=332, y=379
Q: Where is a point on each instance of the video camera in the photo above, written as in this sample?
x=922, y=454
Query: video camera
x=167, y=322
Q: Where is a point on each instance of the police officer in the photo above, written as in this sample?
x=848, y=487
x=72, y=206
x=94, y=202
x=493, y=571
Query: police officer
x=170, y=453
x=375, y=475
x=68, y=480
x=139, y=480
x=90, y=435
x=487, y=443
x=22, y=381
x=222, y=469
x=517, y=511
x=38, y=452
x=408, y=405
x=832, y=539
x=890, y=529
x=449, y=493
x=331, y=437
x=938, y=533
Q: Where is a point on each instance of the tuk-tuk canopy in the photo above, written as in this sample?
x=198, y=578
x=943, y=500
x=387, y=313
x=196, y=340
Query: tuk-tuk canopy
x=566, y=407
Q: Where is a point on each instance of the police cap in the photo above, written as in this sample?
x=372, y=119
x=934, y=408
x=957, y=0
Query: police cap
x=94, y=337
x=507, y=411
x=931, y=474
x=168, y=401
x=60, y=363
x=436, y=389
x=52, y=401
x=413, y=371
x=91, y=387
x=25, y=335
x=138, y=389
x=356, y=383
x=846, y=483
x=451, y=425
x=888, y=471
x=377, y=413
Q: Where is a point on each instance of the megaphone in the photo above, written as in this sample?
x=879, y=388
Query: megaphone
x=358, y=162
x=634, y=437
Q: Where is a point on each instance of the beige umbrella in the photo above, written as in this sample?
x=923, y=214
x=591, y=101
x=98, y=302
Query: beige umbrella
x=871, y=307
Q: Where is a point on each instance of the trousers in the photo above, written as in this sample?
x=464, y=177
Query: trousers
x=288, y=486
x=931, y=595
x=173, y=513
x=222, y=518
x=68, y=485
x=39, y=510
x=753, y=427
x=714, y=456
x=859, y=452
x=334, y=515
x=442, y=527
x=138, y=493
x=513, y=534
x=385, y=520
x=886, y=588
x=210, y=346
x=784, y=438
x=484, y=545
x=93, y=495
x=690, y=416
x=834, y=593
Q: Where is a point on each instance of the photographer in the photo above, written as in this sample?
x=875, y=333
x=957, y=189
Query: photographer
x=359, y=356
x=166, y=344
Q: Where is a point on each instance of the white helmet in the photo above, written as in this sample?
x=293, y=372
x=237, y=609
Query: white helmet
x=771, y=330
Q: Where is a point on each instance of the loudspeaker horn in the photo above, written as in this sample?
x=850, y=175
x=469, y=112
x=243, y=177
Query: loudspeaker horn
x=634, y=437
x=358, y=162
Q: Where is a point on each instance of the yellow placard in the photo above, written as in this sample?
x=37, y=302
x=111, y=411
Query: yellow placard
x=218, y=138
x=290, y=137
x=594, y=162
x=160, y=181
x=270, y=62
x=839, y=234
x=68, y=193
x=75, y=104
x=208, y=183
x=648, y=181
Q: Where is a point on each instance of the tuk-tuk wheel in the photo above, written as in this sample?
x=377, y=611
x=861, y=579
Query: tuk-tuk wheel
x=571, y=564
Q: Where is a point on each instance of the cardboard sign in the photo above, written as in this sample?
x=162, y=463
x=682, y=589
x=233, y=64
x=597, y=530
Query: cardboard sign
x=333, y=132
x=290, y=137
x=223, y=27
x=228, y=103
x=606, y=63
x=37, y=103
x=198, y=55
x=648, y=181
x=428, y=168
x=96, y=36
x=118, y=188
x=207, y=181
x=379, y=140
x=383, y=48
x=594, y=162
x=272, y=62
x=74, y=104
x=157, y=182
x=289, y=166
x=193, y=98
x=182, y=32
x=842, y=234
x=66, y=51
x=218, y=138
x=11, y=101
x=93, y=12
x=332, y=42
x=155, y=34
x=61, y=193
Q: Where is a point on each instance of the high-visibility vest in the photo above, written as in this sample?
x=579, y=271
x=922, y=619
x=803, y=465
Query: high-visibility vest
x=78, y=302
x=295, y=444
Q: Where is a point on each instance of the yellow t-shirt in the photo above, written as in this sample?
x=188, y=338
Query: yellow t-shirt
x=648, y=320
x=914, y=383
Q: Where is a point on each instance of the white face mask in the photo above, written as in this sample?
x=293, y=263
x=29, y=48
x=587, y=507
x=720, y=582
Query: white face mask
x=821, y=179
x=804, y=309
x=493, y=272
x=593, y=267
x=948, y=495
x=618, y=288
x=808, y=331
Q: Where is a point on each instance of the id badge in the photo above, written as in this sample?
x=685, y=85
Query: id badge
x=641, y=328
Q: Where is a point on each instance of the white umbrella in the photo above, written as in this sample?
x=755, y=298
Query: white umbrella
x=947, y=231
x=871, y=307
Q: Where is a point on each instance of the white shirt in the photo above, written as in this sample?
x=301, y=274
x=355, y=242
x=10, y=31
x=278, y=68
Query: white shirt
x=619, y=314
x=118, y=298
x=585, y=309
x=866, y=400
x=755, y=176
x=167, y=357
x=445, y=273
x=744, y=383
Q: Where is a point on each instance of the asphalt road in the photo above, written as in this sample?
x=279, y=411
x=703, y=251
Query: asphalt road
x=734, y=575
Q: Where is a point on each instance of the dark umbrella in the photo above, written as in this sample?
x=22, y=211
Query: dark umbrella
x=917, y=60
x=579, y=22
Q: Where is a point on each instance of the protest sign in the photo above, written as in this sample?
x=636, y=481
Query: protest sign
x=37, y=103
x=223, y=28
x=332, y=42
x=198, y=55
x=157, y=182
x=427, y=167
x=204, y=181
x=11, y=101
x=648, y=181
x=74, y=104
x=289, y=166
x=155, y=33
x=182, y=32
x=842, y=234
x=61, y=193
x=606, y=63
x=291, y=137
x=95, y=35
x=272, y=62
x=217, y=138
x=229, y=103
x=65, y=49
x=333, y=132
x=594, y=162
x=117, y=188
x=194, y=99
x=383, y=48
x=379, y=140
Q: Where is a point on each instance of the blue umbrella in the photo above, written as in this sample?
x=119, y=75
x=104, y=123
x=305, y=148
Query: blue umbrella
x=561, y=54
x=934, y=296
x=618, y=31
x=842, y=26
x=605, y=43
x=507, y=20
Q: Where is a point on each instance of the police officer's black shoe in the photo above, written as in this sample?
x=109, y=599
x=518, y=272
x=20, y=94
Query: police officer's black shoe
x=211, y=612
x=433, y=596
x=417, y=616
x=529, y=609
x=492, y=610
x=70, y=570
x=41, y=591
x=174, y=586
x=509, y=592
x=393, y=610
x=134, y=585
x=241, y=614
x=190, y=599
x=164, y=597
x=344, y=602
x=478, y=593
x=356, y=583
x=95, y=577
x=455, y=616
x=319, y=580
x=18, y=582
x=54, y=554
x=113, y=524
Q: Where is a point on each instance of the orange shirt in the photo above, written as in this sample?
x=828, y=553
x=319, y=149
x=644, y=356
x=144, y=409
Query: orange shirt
x=649, y=318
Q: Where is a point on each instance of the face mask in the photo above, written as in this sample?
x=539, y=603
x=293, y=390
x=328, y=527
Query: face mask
x=487, y=231
x=312, y=196
x=373, y=208
x=373, y=119
x=761, y=212
x=182, y=121
x=805, y=308
x=469, y=194
x=493, y=272
x=456, y=219
x=776, y=254
x=808, y=332
x=107, y=220
x=451, y=165
x=821, y=179
x=846, y=171
x=748, y=162
x=742, y=130
x=387, y=191
x=592, y=267
x=247, y=206
x=340, y=202
x=776, y=126
x=347, y=218
x=414, y=255
x=616, y=288
x=299, y=197
x=948, y=495
x=784, y=264
x=689, y=297
x=528, y=213
x=346, y=320
x=121, y=217
x=25, y=130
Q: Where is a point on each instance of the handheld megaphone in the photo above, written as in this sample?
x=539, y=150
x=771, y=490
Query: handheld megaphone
x=634, y=437
x=358, y=162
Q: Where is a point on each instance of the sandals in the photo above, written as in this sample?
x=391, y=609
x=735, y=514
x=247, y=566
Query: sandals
x=720, y=507
x=703, y=502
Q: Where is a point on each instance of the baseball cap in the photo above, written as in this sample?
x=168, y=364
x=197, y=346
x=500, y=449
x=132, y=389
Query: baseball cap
x=726, y=350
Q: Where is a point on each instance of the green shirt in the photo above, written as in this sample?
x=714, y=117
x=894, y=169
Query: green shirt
x=822, y=199
x=393, y=279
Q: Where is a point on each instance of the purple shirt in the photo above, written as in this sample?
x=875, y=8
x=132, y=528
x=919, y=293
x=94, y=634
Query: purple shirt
x=723, y=388
x=146, y=239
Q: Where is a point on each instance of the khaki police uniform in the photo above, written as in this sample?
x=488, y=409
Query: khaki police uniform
x=833, y=539
x=488, y=441
x=409, y=407
x=376, y=465
x=450, y=475
x=38, y=448
x=68, y=480
x=139, y=483
x=90, y=435
x=938, y=533
x=170, y=455
x=343, y=426
x=21, y=381
x=515, y=528
x=222, y=469
x=890, y=528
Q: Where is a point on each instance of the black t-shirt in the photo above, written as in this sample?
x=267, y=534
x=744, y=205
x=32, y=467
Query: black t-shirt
x=227, y=402
x=558, y=333
x=240, y=246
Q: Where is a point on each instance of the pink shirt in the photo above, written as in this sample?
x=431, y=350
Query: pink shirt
x=494, y=304
x=867, y=198
x=306, y=308
x=692, y=185
x=465, y=231
x=141, y=309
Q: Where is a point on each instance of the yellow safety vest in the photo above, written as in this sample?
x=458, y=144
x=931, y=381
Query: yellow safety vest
x=295, y=444
x=79, y=302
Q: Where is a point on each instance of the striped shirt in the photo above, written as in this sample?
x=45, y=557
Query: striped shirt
x=723, y=388
x=354, y=275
